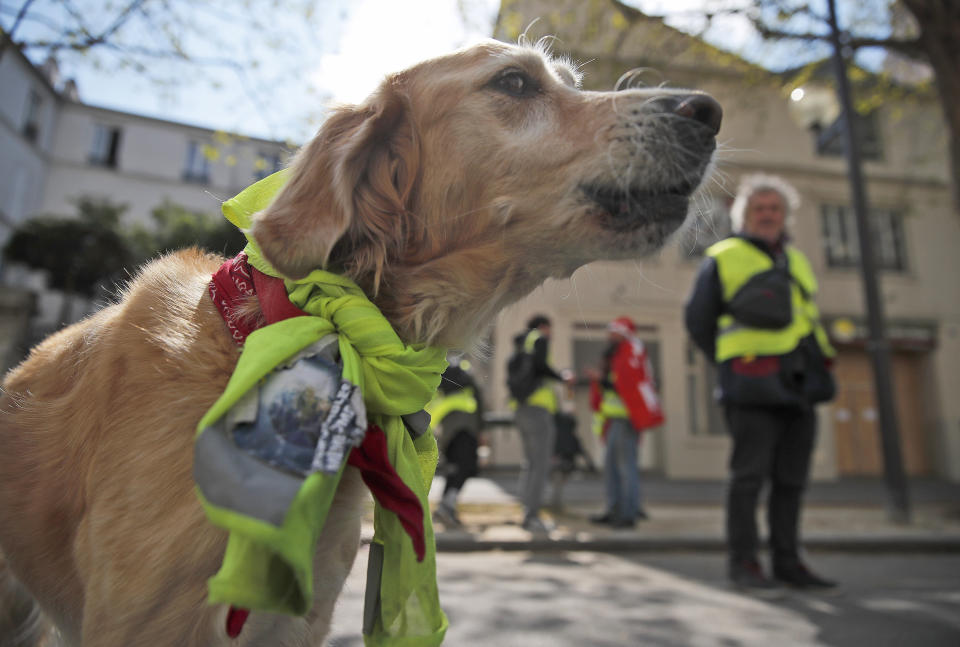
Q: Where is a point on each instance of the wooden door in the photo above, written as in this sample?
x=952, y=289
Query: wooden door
x=855, y=416
x=908, y=384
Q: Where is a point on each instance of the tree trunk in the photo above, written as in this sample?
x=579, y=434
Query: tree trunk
x=939, y=22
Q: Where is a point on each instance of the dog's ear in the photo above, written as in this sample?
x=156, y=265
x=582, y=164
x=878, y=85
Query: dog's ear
x=350, y=185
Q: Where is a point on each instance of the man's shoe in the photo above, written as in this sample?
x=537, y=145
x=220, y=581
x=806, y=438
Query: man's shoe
x=642, y=515
x=623, y=523
x=606, y=517
x=801, y=577
x=536, y=526
x=749, y=576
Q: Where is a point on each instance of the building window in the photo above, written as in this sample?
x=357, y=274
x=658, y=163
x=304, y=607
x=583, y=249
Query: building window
x=842, y=245
x=710, y=222
x=831, y=142
x=267, y=164
x=31, y=116
x=106, y=146
x=197, y=168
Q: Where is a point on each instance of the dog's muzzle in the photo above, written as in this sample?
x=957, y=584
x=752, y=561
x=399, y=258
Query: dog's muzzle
x=693, y=122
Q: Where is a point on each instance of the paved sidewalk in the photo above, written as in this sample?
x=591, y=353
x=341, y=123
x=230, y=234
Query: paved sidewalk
x=688, y=515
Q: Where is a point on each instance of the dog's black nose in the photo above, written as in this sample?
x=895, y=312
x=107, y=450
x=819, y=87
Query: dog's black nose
x=702, y=108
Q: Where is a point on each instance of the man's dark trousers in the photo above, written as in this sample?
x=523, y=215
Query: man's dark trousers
x=772, y=443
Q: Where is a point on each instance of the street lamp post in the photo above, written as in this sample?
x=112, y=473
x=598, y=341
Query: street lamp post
x=877, y=344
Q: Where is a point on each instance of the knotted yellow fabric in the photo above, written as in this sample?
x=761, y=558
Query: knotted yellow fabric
x=269, y=568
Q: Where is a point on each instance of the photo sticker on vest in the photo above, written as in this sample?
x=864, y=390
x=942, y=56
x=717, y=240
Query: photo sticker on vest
x=306, y=418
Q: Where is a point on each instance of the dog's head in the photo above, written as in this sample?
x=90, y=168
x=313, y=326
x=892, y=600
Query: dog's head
x=463, y=182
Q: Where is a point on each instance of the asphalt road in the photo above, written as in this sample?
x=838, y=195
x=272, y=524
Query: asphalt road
x=581, y=599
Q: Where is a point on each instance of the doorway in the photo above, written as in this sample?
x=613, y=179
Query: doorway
x=856, y=421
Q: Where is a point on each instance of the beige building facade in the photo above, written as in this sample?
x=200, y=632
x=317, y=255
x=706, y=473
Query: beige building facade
x=55, y=149
x=917, y=236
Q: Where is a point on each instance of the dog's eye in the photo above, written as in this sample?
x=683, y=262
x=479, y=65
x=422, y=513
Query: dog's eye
x=516, y=84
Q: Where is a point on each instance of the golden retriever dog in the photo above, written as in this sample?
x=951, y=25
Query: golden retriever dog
x=458, y=187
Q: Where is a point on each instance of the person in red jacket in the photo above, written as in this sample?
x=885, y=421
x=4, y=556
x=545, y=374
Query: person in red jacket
x=625, y=403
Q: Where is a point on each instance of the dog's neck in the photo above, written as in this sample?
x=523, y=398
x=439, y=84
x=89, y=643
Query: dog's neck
x=450, y=301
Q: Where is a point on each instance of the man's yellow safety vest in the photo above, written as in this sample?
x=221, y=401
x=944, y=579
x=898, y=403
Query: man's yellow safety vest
x=443, y=405
x=544, y=396
x=737, y=261
x=611, y=406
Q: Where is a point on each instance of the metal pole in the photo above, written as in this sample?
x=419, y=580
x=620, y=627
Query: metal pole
x=877, y=345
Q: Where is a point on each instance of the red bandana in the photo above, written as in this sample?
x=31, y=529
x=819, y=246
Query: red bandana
x=230, y=284
x=236, y=280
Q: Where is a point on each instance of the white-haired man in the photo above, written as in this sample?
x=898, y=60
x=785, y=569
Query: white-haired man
x=752, y=312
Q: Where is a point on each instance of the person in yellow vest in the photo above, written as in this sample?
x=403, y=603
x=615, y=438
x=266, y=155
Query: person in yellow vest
x=624, y=398
x=535, y=419
x=752, y=312
x=456, y=417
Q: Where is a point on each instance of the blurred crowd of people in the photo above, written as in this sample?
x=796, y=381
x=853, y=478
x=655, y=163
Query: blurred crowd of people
x=752, y=312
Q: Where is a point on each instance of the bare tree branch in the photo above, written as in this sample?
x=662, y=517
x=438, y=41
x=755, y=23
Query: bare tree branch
x=39, y=19
x=90, y=41
x=78, y=17
x=121, y=18
x=911, y=47
x=7, y=37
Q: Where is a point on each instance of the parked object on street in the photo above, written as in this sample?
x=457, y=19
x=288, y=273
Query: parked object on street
x=568, y=454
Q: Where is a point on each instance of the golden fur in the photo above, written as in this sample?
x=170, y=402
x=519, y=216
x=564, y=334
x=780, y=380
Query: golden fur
x=455, y=189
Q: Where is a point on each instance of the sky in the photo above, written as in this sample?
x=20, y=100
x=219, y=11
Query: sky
x=340, y=57
x=339, y=54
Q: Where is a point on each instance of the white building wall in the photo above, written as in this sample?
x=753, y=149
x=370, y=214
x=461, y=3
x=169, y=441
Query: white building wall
x=151, y=160
x=22, y=169
x=47, y=175
x=67, y=182
x=22, y=162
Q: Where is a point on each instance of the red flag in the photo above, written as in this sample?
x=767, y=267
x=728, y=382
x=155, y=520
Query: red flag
x=633, y=380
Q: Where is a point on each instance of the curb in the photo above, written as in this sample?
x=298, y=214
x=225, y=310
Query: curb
x=838, y=543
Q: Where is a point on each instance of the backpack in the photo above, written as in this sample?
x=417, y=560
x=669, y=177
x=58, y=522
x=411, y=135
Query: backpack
x=764, y=301
x=521, y=375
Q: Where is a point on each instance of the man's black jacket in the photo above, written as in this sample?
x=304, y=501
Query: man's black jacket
x=541, y=367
